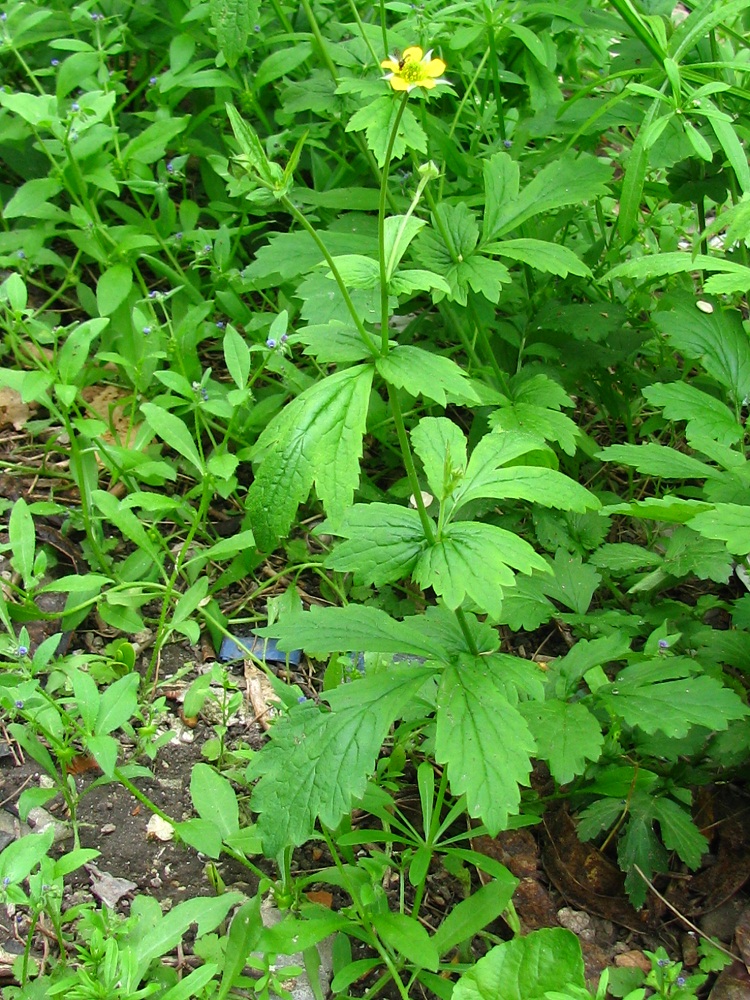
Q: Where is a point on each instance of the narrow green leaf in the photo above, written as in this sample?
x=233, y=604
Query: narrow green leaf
x=237, y=357
x=244, y=932
x=407, y=937
x=22, y=538
x=172, y=430
x=214, y=799
x=113, y=287
x=472, y=915
x=659, y=460
x=118, y=703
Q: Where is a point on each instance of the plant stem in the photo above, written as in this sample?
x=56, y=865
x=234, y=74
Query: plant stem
x=364, y=335
x=384, y=313
x=411, y=472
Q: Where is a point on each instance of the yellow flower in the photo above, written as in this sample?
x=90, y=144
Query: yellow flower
x=413, y=68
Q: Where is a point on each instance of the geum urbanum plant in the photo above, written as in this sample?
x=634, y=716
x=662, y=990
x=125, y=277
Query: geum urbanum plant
x=318, y=760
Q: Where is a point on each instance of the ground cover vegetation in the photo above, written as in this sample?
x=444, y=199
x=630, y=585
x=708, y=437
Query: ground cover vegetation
x=391, y=331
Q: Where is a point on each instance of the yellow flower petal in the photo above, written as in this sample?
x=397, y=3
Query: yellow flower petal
x=412, y=54
x=398, y=83
x=435, y=67
x=391, y=64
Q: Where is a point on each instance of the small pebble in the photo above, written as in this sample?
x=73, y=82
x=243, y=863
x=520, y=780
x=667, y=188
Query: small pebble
x=187, y=736
x=108, y=828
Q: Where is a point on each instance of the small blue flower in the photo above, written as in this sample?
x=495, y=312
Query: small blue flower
x=283, y=338
x=170, y=167
x=507, y=143
x=663, y=963
x=3, y=16
x=178, y=236
x=270, y=343
x=19, y=704
x=204, y=394
x=207, y=248
x=256, y=28
x=680, y=980
x=301, y=700
x=663, y=644
x=75, y=106
x=21, y=255
x=23, y=650
x=220, y=324
x=54, y=62
x=146, y=331
x=153, y=294
x=6, y=880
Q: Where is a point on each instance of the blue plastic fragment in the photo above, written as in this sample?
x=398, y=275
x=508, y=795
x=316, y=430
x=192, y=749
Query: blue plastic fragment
x=237, y=647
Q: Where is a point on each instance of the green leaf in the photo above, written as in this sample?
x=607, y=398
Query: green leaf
x=542, y=486
x=317, y=763
x=237, y=357
x=659, y=460
x=658, y=265
x=244, y=933
x=568, y=180
x=22, y=538
x=639, y=845
x=567, y=736
x=635, y=176
x=574, y=582
x=281, y=62
x=105, y=750
x=113, y=287
x=205, y=911
x=475, y=560
x=151, y=144
x=354, y=628
x=357, y=271
x=679, y=833
x=729, y=522
x=501, y=185
x=526, y=968
x=86, y=697
x=252, y=148
x=233, y=21
x=472, y=915
x=483, y=739
x=20, y=857
x=407, y=937
x=540, y=254
x=30, y=199
x=383, y=543
x=118, y=704
x=400, y=230
x=423, y=373
x=441, y=446
x=672, y=707
x=378, y=118
x=704, y=414
x=214, y=799
x=173, y=431
x=717, y=339
x=675, y=510
x=317, y=438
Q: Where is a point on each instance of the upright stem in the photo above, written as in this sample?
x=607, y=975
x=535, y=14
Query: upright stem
x=364, y=335
x=384, y=314
x=411, y=472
